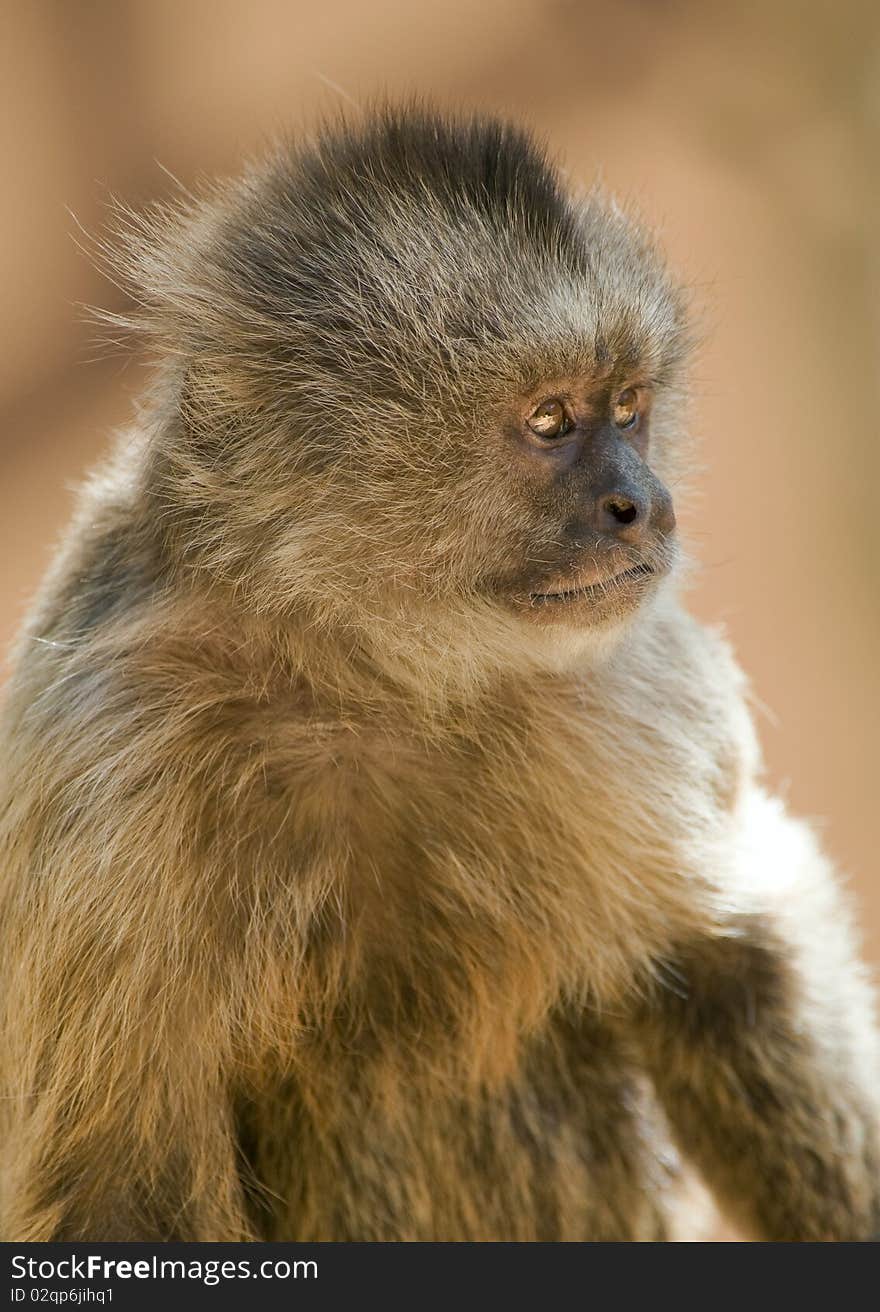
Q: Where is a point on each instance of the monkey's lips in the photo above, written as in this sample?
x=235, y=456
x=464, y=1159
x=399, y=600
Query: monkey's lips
x=597, y=590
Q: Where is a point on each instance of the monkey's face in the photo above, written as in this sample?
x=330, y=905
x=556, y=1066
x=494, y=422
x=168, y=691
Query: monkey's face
x=601, y=523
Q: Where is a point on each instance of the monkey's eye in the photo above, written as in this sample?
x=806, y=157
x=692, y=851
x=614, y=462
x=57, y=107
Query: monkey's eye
x=625, y=410
x=549, y=420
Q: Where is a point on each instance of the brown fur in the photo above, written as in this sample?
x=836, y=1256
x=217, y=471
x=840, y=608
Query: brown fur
x=344, y=897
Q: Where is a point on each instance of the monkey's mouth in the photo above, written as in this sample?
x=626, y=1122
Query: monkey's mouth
x=598, y=591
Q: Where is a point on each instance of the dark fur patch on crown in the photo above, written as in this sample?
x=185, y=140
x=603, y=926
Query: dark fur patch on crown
x=478, y=165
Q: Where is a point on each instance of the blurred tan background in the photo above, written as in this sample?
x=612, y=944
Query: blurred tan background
x=749, y=132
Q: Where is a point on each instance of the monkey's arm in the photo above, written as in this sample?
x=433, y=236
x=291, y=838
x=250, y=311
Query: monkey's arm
x=116, y=1123
x=117, y=1127
x=762, y=1047
x=125, y=907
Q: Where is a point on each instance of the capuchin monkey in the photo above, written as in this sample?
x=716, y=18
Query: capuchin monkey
x=384, y=853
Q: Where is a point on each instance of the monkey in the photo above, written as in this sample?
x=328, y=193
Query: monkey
x=386, y=852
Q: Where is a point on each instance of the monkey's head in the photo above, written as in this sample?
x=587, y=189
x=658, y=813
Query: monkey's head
x=416, y=385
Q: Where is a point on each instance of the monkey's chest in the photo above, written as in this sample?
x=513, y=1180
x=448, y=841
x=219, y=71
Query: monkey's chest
x=463, y=890
x=476, y=892
x=475, y=877
x=437, y=1092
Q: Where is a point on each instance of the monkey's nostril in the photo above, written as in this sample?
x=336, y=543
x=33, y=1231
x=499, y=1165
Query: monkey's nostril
x=623, y=510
